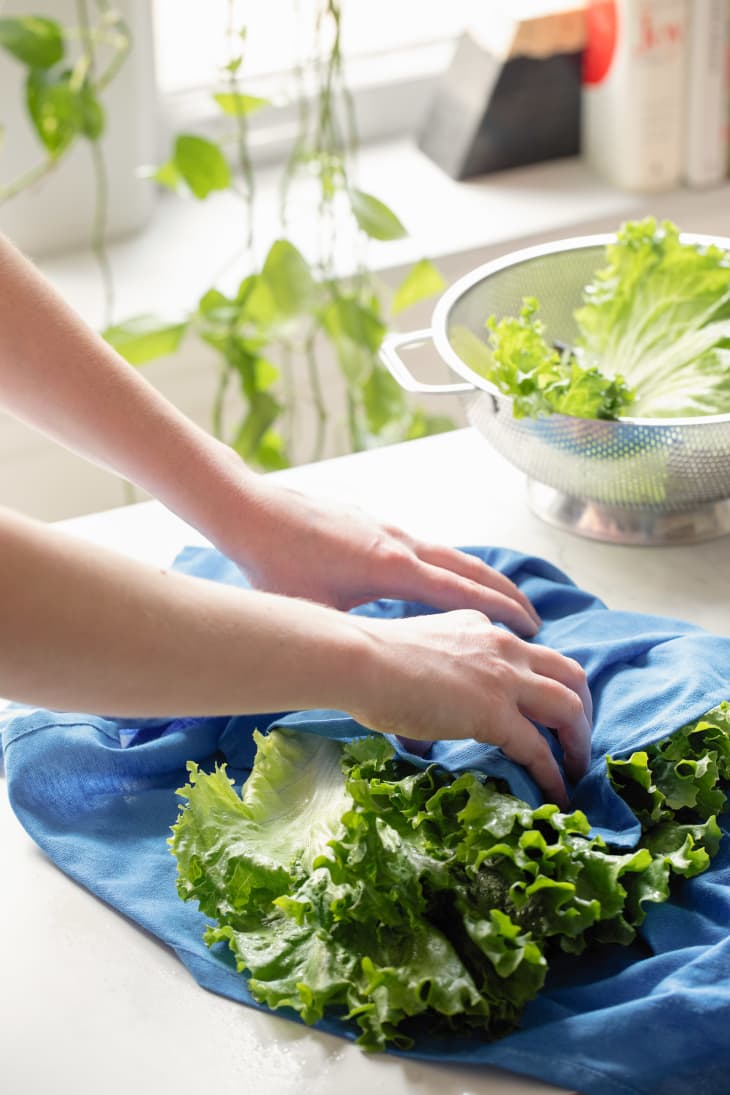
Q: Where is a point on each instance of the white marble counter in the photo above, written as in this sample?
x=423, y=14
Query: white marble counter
x=90, y=1005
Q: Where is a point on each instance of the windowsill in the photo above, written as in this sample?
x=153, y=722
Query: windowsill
x=388, y=92
x=189, y=246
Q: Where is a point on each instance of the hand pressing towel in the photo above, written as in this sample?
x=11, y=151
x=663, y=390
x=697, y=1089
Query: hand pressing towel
x=98, y=796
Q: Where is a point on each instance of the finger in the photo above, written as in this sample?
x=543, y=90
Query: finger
x=558, y=707
x=523, y=743
x=445, y=590
x=468, y=566
x=566, y=670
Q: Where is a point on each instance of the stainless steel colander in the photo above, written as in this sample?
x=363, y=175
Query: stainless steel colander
x=637, y=480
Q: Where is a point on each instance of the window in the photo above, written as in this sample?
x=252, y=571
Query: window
x=191, y=43
x=394, y=48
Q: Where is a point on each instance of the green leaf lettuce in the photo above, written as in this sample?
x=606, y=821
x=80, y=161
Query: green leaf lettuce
x=415, y=900
x=653, y=336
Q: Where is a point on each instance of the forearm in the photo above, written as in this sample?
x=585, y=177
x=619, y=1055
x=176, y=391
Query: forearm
x=86, y=629
x=62, y=378
x=58, y=375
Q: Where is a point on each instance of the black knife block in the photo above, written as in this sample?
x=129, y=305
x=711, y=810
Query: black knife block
x=493, y=112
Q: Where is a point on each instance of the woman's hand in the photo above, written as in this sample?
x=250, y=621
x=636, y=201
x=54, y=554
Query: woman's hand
x=452, y=675
x=339, y=556
x=457, y=676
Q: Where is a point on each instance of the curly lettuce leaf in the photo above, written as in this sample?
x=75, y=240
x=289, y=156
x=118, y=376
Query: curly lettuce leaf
x=539, y=378
x=679, y=773
x=653, y=336
x=410, y=900
x=235, y=854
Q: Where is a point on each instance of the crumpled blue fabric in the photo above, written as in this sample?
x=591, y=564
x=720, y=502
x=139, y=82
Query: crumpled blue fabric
x=98, y=795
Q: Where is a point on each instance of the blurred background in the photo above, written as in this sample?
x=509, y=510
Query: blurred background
x=245, y=197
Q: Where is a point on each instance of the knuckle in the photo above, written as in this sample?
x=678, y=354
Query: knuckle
x=500, y=682
x=573, y=704
x=391, y=530
x=577, y=671
x=541, y=751
x=474, y=568
x=505, y=643
x=390, y=553
x=547, y=751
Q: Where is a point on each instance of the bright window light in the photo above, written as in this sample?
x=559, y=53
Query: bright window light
x=192, y=46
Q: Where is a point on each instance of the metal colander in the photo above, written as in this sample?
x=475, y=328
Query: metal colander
x=636, y=480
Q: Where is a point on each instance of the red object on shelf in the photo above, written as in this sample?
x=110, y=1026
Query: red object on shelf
x=601, y=37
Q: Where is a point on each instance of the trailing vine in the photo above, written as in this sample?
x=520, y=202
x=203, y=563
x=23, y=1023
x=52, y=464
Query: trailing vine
x=291, y=310
x=67, y=71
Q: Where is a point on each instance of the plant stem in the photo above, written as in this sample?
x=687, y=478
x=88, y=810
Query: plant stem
x=320, y=406
x=30, y=177
x=301, y=95
x=120, y=41
x=101, y=182
x=241, y=124
x=352, y=423
x=287, y=377
x=224, y=379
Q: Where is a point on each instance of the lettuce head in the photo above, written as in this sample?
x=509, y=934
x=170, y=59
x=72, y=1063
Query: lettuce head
x=658, y=315
x=653, y=336
x=417, y=901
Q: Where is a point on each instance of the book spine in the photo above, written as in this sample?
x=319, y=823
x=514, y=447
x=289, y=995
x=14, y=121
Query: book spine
x=633, y=101
x=706, y=95
x=727, y=90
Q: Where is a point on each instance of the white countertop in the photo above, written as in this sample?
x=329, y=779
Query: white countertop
x=91, y=1005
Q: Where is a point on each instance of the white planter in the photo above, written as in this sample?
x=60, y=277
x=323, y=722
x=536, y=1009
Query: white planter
x=56, y=214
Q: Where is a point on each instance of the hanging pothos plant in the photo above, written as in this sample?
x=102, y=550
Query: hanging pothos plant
x=67, y=71
x=272, y=332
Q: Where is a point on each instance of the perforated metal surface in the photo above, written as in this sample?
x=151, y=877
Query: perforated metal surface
x=659, y=465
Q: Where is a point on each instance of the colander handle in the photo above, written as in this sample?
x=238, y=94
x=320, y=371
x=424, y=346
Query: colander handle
x=390, y=357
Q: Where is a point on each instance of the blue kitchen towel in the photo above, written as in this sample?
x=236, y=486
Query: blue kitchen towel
x=98, y=795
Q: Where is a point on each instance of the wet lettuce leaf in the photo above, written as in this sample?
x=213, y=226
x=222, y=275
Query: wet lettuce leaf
x=540, y=378
x=658, y=314
x=407, y=900
x=653, y=336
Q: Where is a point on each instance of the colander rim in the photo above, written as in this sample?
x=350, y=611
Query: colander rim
x=451, y=296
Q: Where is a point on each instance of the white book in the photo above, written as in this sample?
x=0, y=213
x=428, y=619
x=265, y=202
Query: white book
x=633, y=117
x=706, y=93
x=727, y=93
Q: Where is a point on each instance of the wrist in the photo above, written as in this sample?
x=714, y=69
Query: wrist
x=216, y=493
x=316, y=656
x=364, y=684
